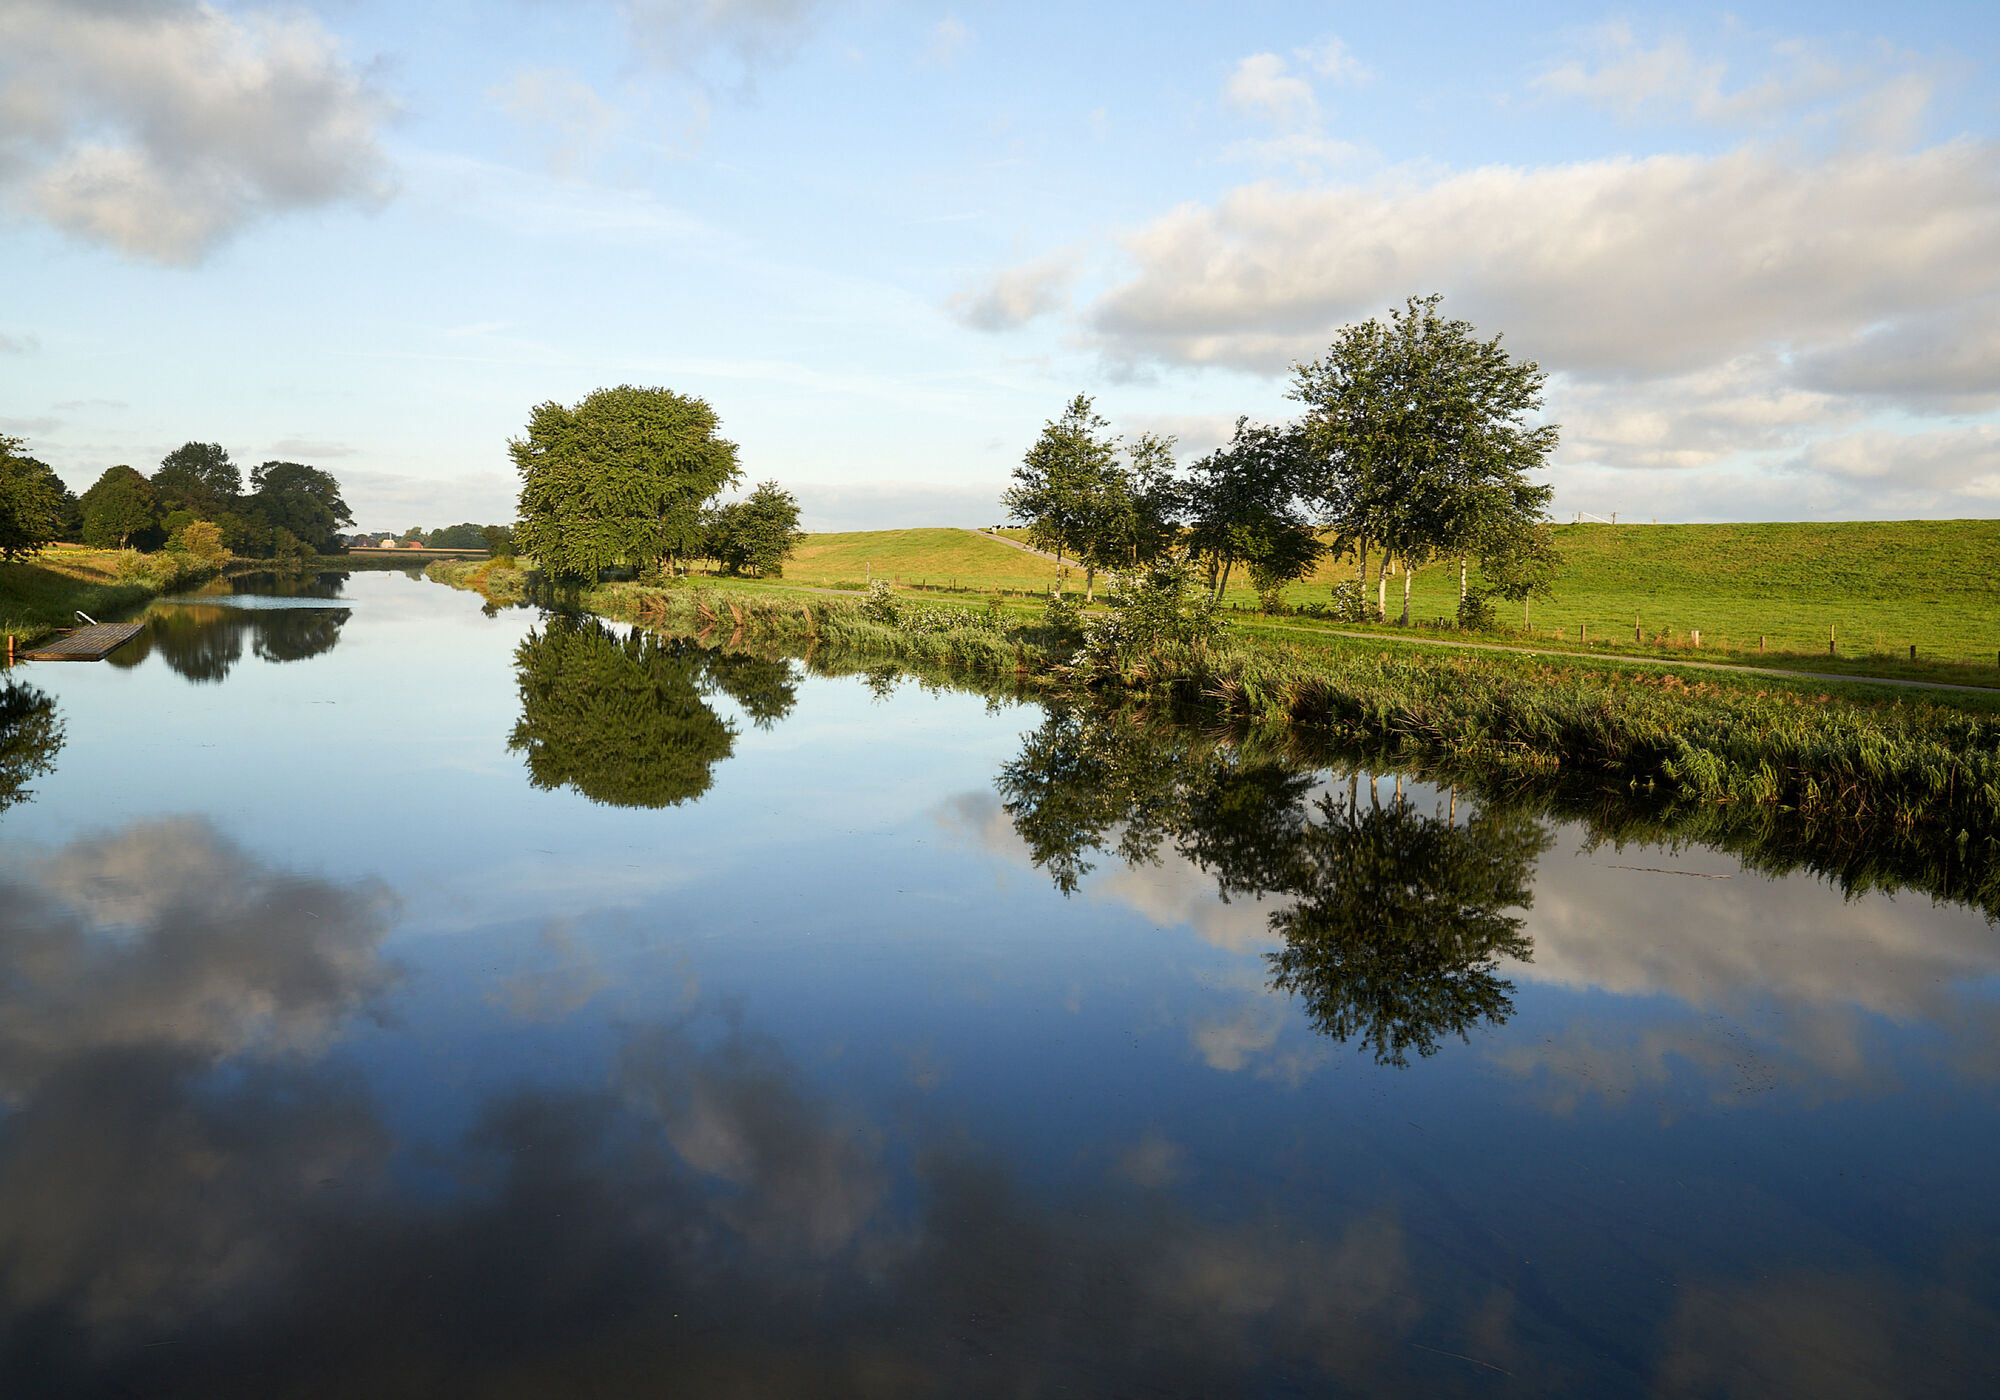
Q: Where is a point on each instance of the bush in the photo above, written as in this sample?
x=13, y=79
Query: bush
x=1475, y=613
x=1063, y=616
x=881, y=605
x=199, y=539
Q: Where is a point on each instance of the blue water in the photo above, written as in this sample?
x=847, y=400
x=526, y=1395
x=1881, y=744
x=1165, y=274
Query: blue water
x=338, y=1058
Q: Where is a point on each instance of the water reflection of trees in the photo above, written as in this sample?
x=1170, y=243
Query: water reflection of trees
x=31, y=734
x=1392, y=920
x=623, y=719
x=204, y=642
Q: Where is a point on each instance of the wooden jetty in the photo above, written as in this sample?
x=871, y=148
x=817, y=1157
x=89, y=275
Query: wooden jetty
x=92, y=643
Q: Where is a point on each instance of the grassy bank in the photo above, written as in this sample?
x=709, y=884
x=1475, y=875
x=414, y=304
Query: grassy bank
x=1762, y=594
x=42, y=595
x=1866, y=759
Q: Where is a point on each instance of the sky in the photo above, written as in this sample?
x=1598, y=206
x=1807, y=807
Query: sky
x=1757, y=249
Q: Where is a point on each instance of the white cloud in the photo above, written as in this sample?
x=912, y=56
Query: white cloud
x=566, y=112
x=1014, y=296
x=19, y=344
x=1879, y=100
x=1600, y=268
x=162, y=129
x=949, y=39
x=688, y=34
x=1924, y=465
x=1263, y=86
x=1335, y=61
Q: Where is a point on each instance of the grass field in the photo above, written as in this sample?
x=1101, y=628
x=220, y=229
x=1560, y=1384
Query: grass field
x=1882, y=586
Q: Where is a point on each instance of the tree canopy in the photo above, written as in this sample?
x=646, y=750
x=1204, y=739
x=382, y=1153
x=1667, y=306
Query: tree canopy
x=119, y=509
x=1422, y=438
x=1242, y=507
x=757, y=533
x=198, y=476
x=34, y=502
x=1064, y=490
x=621, y=478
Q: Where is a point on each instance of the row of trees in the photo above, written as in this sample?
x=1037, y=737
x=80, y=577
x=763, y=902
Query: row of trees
x=1416, y=445
x=289, y=508
x=631, y=477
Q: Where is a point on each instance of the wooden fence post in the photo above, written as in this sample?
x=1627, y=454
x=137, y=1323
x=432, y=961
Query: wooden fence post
x=1760, y=643
x=1829, y=639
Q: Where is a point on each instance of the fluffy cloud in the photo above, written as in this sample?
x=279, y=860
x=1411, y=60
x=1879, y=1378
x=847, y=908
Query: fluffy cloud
x=1015, y=296
x=162, y=128
x=562, y=109
x=687, y=34
x=1662, y=265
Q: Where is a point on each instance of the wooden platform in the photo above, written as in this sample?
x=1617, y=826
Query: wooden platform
x=92, y=643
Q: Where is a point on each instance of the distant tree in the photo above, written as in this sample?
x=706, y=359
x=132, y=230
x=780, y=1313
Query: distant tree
x=757, y=533
x=301, y=501
x=119, y=509
x=1421, y=439
x=462, y=536
x=1243, y=508
x=34, y=503
x=1521, y=564
x=1060, y=489
x=200, y=539
x=499, y=540
x=197, y=476
x=413, y=535
x=624, y=477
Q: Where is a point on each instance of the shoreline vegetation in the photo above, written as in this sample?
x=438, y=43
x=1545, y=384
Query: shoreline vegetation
x=41, y=595
x=1868, y=778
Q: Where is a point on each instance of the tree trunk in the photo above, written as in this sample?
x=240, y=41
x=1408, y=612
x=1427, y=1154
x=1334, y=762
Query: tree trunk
x=1461, y=583
x=1227, y=565
x=1089, y=583
x=1382, y=588
x=1363, y=552
x=1406, y=593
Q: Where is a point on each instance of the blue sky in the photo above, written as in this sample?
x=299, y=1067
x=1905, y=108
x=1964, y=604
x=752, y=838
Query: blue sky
x=1758, y=249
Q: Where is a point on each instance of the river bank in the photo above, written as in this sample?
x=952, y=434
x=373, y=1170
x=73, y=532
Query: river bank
x=1927, y=763
x=41, y=596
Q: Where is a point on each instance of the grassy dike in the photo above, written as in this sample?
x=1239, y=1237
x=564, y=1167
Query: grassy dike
x=1861, y=757
x=42, y=595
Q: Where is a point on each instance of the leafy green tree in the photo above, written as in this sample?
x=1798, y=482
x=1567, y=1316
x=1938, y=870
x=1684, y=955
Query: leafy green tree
x=619, y=719
x=198, y=476
x=31, y=734
x=499, y=541
x=119, y=509
x=34, y=503
x=465, y=535
x=200, y=539
x=1521, y=563
x=757, y=533
x=413, y=535
x=300, y=501
x=1422, y=439
x=624, y=477
x=1060, y=489
x=1243, y=508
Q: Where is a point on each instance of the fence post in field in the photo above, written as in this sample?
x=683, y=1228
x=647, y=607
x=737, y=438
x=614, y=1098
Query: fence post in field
x=1638, y=633
x=1760, y=643
x=1829, y=639
x=1913, y=651
x=1696, y=634
x=1583, y=632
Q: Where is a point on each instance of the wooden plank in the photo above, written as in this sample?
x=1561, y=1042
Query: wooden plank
x=92, y=643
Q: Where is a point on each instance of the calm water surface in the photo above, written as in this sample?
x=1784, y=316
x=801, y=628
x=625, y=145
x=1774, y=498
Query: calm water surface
x=397, y=999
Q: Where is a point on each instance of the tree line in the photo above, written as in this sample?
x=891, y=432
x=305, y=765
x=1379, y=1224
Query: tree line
x=196, y=499
x=631, y=477
x=1416, y=444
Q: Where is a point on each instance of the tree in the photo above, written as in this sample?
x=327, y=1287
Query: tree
x=465, y=535
x=33, y=501
x=1243, y=508
x=1061, y=489
x=758, y=533
x=291, y=498
x=1422, y=437
x=119, y=507
x=499, y=541
x=623, y=477
x=1521, y=564
x=197, y=476
x=200, y=538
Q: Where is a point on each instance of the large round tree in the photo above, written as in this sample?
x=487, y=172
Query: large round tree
x=621, y=478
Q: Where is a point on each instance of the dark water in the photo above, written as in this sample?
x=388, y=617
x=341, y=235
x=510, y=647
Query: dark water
x=384, y=1012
